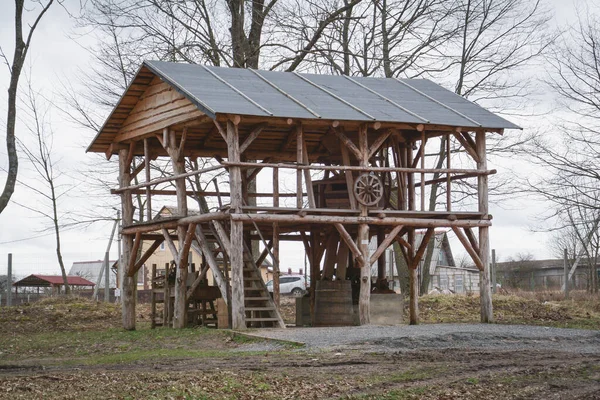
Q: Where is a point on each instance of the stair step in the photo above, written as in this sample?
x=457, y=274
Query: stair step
x=256, y=298
x=261, y=319
x=260, y=308
x=252, y=278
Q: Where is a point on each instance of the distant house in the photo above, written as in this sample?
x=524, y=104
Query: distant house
x=90, y=270
x=445, y=275
x=540, y=274
x=51, y=281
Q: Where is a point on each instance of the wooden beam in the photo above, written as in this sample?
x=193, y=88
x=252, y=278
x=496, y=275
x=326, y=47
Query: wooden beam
x=133, y=255
x=170, y=245
x=379, y=142
x=307, y=178
x=422, y=247
x=263, y=255
x=212, y=263
x=348, y=143
x=299, y=160
x=331, y=250
x=351, y=244
x=386, y=243
x=220, y=129
x=349, y=178
x=253, y=135
x=184, y=250
x=472, y=239
x=147, y=254
x=467, y=146
x=467, y=245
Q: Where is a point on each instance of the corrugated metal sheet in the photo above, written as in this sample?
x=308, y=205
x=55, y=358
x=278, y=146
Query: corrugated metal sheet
x=290, y=95
x=90, y=270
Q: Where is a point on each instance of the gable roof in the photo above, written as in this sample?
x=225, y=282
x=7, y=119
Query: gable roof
x=218, y=90
x=49, y=280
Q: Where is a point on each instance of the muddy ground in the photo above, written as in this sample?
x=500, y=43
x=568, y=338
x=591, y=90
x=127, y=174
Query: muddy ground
x=98, y=360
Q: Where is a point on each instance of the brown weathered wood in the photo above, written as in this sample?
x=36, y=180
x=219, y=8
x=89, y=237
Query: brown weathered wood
x=342, y=261
x=348, y=143
x=236, y=251
x=422, y=247
x=263, y=255
x=299, y=160
x=168, y=178
x=349, y=178
x=472, y=239
x=379, y=142
x=448, y=176
x=331, y=219
x=350, y=243
x=148, y=178
x=467, y=146
x=467, y=245
x=307, y=178
x=253, y=135
x=485, y=292
x=385, y=243
x=414, y=296
x=128, y=283
x=276, y=288
x=147, y=254
x=133, y=255
x=212, y=264
x=364, y=297
x=422, y=151
x=330, y=256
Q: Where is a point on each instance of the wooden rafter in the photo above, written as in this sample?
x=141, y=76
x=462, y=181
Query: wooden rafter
x=379, y=142
x=348, y=143
x=253, y=135
x=467, y=146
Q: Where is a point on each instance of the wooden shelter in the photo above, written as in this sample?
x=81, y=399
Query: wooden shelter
x=52, y=281
x=345, y=157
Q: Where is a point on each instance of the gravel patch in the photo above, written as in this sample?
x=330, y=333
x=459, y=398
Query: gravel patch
x=440, y=336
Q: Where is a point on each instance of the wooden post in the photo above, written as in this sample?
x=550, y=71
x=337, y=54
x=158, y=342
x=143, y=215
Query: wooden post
x=177, y=159
x=148, y=178
x=128, y=292
x=493, y=271
x=276, y=289
x=566, y=277
x=236, y=251
x=412, y=272
x=299, y=161
x=363, y=241
x=381, y=259
x=484, y=235
x=9, y=281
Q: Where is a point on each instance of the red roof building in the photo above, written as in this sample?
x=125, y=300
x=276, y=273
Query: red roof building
x=51, y=281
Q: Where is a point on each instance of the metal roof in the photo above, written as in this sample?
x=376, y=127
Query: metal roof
x=217, y=90
x=48, y=280
x=90, y=270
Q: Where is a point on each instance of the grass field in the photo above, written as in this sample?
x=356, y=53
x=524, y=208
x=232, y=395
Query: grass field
x=74, y=349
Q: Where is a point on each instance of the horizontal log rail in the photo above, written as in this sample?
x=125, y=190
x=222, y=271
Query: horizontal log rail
x=327, y=219
x=155, y=192
x=167, y=179
x=456, y=178
x=358, y=168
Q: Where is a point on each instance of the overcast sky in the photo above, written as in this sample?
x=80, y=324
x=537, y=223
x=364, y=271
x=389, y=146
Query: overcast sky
x=55, y=56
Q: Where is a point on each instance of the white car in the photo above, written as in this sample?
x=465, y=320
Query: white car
x=289, y=284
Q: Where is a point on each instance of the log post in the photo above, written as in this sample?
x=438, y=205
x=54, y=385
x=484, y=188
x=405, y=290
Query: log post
x=236, y=254
x=299, y=161
x=128, y=291
x=412, y=272
x=484, y=235
x=175, y=151
x=381, y=259
x=276, y=289
x=363, y=241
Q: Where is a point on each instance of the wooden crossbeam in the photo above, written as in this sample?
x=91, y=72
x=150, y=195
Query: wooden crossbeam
x=422, y=247
x=467, y=146
x=147, y=254
x=184, y=251
x=467, y=245
x=378, y=142
x=385, y=244
x=351, y=244
x=253, y=135
x=348, y=143
x=472, y=239
x=220, y=130
x=265, y=253
x=133, y=255
x=212, y=263
x=170, y=245
x=403, y=248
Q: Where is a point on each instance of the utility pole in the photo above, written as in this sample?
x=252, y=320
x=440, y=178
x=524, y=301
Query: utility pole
x=9, y=281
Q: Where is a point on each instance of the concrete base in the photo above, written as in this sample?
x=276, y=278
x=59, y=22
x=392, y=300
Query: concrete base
x=386, y=309
x=303, y=311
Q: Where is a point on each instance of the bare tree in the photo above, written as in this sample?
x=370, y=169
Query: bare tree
x=47, y=184
x=22, y=43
